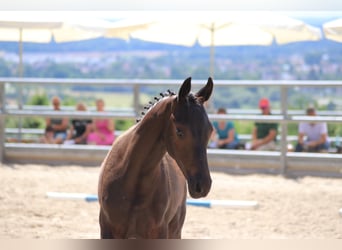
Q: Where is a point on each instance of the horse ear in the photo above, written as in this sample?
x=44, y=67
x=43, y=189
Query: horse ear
x=204, y=93
x=185, y=89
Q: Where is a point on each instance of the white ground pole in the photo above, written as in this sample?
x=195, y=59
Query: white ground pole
x=191, y=202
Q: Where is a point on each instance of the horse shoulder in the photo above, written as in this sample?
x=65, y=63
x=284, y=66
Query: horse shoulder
x=176, y=186
x=113, y=168
x=116, y=156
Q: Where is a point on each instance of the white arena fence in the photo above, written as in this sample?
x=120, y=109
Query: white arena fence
x=279, y=162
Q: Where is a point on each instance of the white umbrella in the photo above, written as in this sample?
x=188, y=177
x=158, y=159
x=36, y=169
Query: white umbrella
x=224, y=29
x=333, y=30
x=41, y=27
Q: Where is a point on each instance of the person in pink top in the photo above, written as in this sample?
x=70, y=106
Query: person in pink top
x=102, y=130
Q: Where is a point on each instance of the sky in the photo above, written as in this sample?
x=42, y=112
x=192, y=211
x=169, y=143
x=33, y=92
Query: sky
x=283, y=5
x=116, y=15
x=124, y=8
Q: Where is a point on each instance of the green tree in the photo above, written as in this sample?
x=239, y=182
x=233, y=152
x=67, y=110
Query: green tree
x=123, y=125
x=38, y=99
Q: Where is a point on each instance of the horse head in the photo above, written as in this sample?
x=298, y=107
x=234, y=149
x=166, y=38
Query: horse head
x=188, y=132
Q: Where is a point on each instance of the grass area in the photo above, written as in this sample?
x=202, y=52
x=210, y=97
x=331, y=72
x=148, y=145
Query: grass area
x=122, y=100
x=111, y=99
x=243, y=127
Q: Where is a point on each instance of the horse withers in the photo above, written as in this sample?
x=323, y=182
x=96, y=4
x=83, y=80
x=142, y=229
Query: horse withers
x=142, y=185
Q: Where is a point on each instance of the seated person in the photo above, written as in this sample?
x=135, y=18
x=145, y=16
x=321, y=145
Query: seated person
x=102, y=130
x=264, y=134
x=48, y=136
x=316, y=135
x=224, y=134
x=58, y=125
x=80, y=128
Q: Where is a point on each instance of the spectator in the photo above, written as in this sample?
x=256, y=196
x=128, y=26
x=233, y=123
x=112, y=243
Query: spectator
x=59, y=126
x=80, y=128
x=48, y=136
x=224, y=134
x=316, y=135
x=264, y=134
x=102, y=130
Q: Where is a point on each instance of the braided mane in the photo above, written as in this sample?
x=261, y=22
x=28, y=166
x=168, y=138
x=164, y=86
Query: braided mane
x=156, y=99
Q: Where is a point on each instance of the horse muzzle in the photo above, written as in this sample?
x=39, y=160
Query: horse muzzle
x=199, y=186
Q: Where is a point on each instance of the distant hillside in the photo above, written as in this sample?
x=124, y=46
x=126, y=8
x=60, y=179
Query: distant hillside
x=99, y=44
x=112, y=45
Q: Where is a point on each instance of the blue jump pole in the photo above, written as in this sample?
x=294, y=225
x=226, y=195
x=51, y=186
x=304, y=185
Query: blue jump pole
x=191, y=202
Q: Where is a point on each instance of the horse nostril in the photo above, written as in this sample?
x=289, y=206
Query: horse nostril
x=198, y=187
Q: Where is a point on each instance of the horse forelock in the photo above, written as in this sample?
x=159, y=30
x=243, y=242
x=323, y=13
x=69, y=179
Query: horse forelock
x=186, y=110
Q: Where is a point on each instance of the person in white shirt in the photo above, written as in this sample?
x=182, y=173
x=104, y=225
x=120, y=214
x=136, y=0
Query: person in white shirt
x=316, y=135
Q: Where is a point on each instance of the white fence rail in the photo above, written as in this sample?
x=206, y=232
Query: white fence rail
x=281, y=162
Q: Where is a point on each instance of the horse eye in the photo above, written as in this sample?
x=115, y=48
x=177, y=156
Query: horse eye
x=179, y=132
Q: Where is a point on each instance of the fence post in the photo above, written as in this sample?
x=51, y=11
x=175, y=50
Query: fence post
x=283, y=156
x=2, y=121
x=136, y=101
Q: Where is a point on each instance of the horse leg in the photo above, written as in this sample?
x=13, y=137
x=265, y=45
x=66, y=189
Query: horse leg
x=176, y=224
x=106, y=232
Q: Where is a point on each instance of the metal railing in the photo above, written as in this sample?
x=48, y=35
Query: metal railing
x=282, y=116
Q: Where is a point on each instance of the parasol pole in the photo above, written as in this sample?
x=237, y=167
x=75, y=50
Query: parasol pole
x=20, y=69
x=21, y=73
x=209, y=104
x=212, y=51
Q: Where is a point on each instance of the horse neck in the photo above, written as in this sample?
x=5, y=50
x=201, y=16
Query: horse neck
x=150, y=132
x=143, y=148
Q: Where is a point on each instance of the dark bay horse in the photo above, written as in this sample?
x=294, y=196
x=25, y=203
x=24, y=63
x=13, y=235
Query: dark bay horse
x=142, y=185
